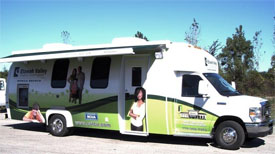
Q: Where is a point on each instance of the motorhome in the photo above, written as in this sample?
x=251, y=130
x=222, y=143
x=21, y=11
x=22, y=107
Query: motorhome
x=2, y=92
x=94, y=86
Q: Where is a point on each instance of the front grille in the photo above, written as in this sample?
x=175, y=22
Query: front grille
x=266, y=111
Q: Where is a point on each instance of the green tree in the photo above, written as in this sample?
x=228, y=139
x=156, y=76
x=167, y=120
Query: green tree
x=268, y=86
x=236, y=58
x=253, y=83
x=140, y=35
x=4, y=73
x=273, y=61
x=215, y=47
x=269, y=76
x=257, y=44
x=192, y=35
x=271, y=71
x=273, y=39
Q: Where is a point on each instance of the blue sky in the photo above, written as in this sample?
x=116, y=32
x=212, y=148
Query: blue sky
x=29, y=24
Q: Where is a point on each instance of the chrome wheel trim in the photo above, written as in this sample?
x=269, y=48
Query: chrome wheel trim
x=57, y=125
x=229, y=135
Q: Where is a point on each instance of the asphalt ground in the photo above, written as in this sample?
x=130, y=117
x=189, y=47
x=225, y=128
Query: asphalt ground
x=18, y=137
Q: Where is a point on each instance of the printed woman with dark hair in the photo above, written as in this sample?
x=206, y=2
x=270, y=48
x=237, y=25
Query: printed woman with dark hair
x=73, y=86
x=34, y=115
x=137, y=111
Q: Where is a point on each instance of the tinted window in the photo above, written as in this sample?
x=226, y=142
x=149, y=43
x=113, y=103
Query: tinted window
x=2, y=86
x=100, y=72
x=59, y=75
x=190, y=84
x=136, y=76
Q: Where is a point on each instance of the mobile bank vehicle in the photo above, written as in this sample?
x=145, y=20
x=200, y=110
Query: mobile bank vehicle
x=2, y=92
x=185, y=96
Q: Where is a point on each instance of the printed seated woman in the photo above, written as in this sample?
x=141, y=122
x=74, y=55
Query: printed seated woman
x=34, y=115
x=137, y=111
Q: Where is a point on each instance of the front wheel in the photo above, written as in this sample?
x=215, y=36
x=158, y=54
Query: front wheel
x=230, y=135
x=58, y=125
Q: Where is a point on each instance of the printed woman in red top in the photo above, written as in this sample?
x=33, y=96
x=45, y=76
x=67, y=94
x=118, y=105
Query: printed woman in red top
x=34, y=115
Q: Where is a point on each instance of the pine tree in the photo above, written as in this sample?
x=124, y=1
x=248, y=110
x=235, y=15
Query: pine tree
x=65, y=35
x=4, y=73
x=140, y=35
x=237, y=58
x=192, y=36
x=215, y=47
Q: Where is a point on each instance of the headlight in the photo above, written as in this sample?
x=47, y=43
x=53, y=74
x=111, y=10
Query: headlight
x=255, y=114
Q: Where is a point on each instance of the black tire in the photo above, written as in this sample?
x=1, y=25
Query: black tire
x=229, y=135
x=58, y=126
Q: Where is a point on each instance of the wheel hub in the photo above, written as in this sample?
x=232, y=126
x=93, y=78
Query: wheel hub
x=229, y=135
x=57, y=125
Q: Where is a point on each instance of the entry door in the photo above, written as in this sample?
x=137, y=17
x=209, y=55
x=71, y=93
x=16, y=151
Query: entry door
x=190, y=115
x=136, y=68
x=23, y=95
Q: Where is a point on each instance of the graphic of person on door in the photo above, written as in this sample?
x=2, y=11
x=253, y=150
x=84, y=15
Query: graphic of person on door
x=73, y=86
x=137, y=111
x=80, y=82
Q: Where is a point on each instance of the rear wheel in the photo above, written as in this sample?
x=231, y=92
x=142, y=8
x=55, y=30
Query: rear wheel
x=58, y=125
x=230, y=135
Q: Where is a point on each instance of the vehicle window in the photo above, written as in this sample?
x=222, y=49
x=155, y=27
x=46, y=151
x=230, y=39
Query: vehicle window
x=2, y=86
x=100, y=72
x=136, y=76
x=59, y=75
x=221, y=85
x=190, y=85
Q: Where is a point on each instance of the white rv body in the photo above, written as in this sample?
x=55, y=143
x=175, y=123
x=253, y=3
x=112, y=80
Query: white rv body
x=185, y=96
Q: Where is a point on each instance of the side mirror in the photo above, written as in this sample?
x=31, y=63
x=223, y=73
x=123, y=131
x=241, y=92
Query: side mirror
x=203, y=88
x=233, y=84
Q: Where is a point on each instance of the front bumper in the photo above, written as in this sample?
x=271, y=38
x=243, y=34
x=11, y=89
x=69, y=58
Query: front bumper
x=259, y=129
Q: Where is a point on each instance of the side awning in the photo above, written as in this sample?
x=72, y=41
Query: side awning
x=77, y=52
x=65, y=54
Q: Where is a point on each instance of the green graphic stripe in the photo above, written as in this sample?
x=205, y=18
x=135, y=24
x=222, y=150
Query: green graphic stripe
x=162, y=98
x=195, y=107
x=157, y=97
x=13, y=105
x=130, y=97
x=77, y=108
x=93, y=105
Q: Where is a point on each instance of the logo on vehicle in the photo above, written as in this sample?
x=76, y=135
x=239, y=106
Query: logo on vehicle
x=16, y=72
x=192, y=114
x=209, y=62
x=91, y=116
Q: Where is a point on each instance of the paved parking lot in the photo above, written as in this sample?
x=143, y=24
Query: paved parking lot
x=24, y=138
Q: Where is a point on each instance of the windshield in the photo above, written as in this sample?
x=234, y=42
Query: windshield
x=2, y=85
x=221, y=85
